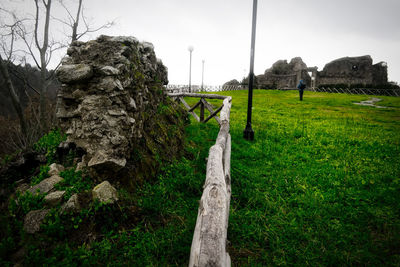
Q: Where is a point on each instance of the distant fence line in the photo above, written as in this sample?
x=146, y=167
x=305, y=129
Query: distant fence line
x=359, y=91
x=352, y=91
x=207, y=88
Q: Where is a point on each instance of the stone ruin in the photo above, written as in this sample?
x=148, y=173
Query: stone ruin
x=110, y=102
x=353, y=70
x=284, y=75
x=347, y=71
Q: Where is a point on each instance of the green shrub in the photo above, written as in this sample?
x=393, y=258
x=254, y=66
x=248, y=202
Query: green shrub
x=55, y=224
x=26, y=202
x=73, y=182
x=49, y=142
x=43, y=174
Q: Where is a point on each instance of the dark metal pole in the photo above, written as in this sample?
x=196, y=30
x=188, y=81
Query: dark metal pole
x=190, y=72
x=248, y=132
x=202, y=76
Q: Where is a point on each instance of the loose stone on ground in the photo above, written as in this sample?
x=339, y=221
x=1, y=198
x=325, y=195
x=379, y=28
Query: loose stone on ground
x=55, y=169
x=54, y=198
x=46, y=185
x=33, y=220
x=72, y=204
x=105, y=193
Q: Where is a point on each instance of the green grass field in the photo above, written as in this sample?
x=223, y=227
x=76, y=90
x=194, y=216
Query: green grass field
x=319, y=186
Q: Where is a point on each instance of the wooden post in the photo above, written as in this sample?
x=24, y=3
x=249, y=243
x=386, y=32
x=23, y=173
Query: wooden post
x=201, y=111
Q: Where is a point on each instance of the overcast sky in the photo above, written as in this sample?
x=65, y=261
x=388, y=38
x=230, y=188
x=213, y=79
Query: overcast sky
x=318, y=31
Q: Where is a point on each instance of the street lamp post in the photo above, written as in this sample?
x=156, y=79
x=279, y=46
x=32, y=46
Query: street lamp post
x=248, y=132
x=202, y=76
x=190, y=48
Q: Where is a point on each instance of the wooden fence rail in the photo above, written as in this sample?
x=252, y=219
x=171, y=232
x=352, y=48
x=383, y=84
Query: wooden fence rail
x=202, y=104
x=210, y=234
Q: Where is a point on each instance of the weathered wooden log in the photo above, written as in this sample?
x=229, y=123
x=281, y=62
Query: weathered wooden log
x=209, y=239
x=224, y=116
x=226, y=111
x=210, y=235
x=227, y=171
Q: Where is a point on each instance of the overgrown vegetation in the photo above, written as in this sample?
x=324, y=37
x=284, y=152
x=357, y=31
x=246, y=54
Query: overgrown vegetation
x=319, y=186
x=49, y=142
x=74, y=182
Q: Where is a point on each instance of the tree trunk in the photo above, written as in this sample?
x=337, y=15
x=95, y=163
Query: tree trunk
x=43, y=62
x=43, y=100
x=74, y=36
x=13, y=94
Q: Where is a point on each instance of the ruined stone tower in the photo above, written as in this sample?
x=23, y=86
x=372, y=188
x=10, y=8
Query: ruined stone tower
x=111, y=98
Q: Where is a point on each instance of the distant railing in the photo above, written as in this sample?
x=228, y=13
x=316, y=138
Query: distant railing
x=356, y=91
x=359, y=91
x=195, y=88
x=211, y=230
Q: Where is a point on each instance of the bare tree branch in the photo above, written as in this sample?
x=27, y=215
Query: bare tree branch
x=74, y=22
x=24, y=38
x=88, y=29
x=71, y=18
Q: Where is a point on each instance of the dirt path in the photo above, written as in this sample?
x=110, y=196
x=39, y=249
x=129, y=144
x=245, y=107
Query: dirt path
x=370, y=102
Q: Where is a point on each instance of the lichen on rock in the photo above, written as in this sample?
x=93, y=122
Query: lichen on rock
x=105, y=193
x=33, y=220
x=46, y=185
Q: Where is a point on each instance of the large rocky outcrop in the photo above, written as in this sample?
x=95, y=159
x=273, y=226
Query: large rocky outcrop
x=111, y=97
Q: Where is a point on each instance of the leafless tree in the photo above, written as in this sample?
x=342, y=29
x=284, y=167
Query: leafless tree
x=13, y=94
x=38, y=46
x=8, y=49
x=45, y=56
x=73, y=22
x=29, y=36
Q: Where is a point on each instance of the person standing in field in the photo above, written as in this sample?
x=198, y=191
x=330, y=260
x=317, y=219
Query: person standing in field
x=301, y=86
